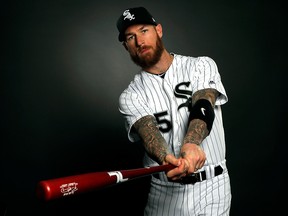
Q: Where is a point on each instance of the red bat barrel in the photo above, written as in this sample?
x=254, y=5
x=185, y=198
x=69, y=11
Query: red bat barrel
x=73, y=185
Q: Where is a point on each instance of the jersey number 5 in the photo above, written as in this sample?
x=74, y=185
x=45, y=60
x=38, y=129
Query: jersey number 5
x=164, y=124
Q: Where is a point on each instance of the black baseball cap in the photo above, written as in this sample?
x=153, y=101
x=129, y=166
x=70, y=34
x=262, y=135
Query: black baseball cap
x=132, y=16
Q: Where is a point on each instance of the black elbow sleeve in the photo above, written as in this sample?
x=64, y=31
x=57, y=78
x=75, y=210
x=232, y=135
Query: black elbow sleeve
x=203, y=110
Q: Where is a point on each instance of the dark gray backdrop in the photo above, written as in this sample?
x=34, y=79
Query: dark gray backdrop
x=63, y=70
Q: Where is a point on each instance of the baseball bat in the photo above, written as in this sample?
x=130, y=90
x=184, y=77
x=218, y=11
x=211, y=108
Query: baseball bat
x=72, y=185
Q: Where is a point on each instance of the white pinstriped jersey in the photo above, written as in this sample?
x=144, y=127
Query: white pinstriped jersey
x=167, y=99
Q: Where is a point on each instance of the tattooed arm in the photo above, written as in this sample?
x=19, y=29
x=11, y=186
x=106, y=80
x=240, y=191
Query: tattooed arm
x=197, y=130
x=153, y=141
x=196, y=133
x=156, y=146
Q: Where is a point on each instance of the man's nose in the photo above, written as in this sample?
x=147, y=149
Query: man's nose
x=139, y=40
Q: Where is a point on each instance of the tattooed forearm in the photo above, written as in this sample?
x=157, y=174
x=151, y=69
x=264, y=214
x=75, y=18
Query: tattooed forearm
x=197, y=132
x=153, y=141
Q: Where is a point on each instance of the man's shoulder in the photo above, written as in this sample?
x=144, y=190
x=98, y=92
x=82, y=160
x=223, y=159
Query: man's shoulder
x=136, y=80
x=192, y=58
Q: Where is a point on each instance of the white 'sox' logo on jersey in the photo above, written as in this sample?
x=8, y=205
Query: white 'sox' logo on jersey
x=181, y=91
x=128, y=15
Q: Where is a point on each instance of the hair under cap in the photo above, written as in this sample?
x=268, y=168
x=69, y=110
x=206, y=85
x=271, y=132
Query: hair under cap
x=132, y=16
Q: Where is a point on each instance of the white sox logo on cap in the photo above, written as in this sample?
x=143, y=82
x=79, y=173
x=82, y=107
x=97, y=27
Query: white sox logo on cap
x=128, y=15
x=132, y=16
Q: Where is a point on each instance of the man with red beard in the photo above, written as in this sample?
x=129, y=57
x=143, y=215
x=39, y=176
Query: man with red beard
x=173, y=106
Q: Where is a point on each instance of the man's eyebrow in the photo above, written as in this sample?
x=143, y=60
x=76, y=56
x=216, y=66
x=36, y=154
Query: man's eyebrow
x=139, y=29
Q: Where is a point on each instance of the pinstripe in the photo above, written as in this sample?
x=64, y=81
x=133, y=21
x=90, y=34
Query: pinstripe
x=150, y=94
x=204, y=198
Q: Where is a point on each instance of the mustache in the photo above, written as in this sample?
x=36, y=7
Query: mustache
x=143, y=48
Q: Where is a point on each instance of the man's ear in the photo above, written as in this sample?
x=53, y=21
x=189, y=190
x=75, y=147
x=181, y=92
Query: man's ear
x=125, y=45
x=159, y=30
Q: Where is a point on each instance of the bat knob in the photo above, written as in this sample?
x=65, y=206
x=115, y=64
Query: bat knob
x=43, y=191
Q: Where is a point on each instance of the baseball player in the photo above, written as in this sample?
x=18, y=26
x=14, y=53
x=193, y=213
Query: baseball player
x=173, y=106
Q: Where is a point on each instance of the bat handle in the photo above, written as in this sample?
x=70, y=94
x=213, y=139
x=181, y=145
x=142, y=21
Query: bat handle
x=166, y=167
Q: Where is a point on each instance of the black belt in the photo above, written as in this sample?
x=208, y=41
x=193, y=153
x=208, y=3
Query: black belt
x=195, y=177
